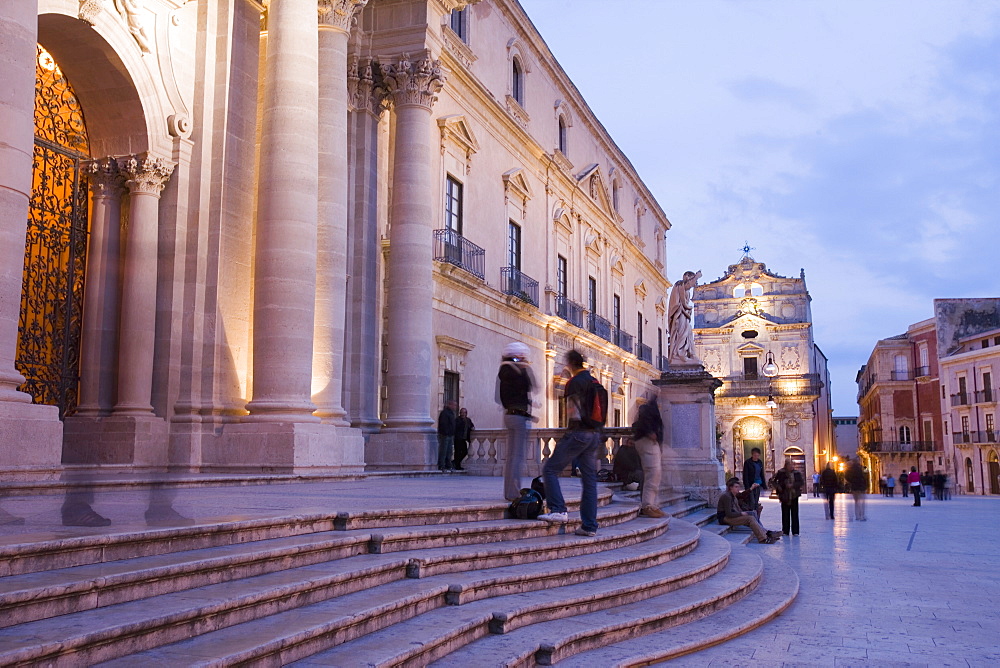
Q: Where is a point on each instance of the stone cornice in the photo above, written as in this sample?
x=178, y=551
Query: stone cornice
x=338, y=14
x=413, y=83
x=104, y=177
x=145, y=174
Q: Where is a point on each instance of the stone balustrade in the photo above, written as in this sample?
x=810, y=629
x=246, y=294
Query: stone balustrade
x=488, y=449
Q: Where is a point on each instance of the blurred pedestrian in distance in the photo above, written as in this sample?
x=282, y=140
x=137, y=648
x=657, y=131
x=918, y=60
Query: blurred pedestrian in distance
x=829, y=482
x=446, y=436
x=463, y=434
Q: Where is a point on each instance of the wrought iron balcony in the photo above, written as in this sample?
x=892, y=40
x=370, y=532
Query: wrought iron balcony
x=898, y=446
x=599, y=326
x=986, y=396
x=960, y=399
x=779, y=386
x=661, y=362
x=902, y=375
x=569, y=311
x=453, y=248
x=922, y=371
x=960, y=437
x=522, y=286
x=622, y=339
x=644, y=352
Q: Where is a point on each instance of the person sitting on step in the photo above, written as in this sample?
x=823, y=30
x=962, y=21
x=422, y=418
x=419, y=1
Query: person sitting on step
x=729, y=513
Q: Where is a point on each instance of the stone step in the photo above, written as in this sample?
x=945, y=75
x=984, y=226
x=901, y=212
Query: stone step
x=777, y=590
x=444, y=631
x=107, y=632
x=549, y=642
x=30, y=554
x=33, y=596
x=684, y=508
x=288, y=636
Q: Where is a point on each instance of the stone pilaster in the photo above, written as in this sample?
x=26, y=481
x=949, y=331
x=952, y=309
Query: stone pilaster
x=407, y=441
x=335, y=17
x=361, y=340
x=145, y=176
x=285, y=265
x=99, y=345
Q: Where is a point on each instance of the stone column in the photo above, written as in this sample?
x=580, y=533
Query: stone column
x=30, y=435
x=100, y=303
x=412, y=86
x=18, y=34
x=285, y=262
x=361, y=337
x=335, y=17
x=145, y=177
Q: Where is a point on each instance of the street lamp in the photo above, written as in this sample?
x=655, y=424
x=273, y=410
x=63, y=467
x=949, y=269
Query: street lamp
x=770, y=370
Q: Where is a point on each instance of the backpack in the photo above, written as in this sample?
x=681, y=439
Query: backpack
x=594, y=406
x=528, y=506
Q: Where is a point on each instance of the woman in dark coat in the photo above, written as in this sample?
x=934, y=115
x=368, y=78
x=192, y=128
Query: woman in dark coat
x=463, y=434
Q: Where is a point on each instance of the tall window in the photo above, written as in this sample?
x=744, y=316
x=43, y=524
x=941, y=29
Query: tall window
x=517, y=81
x=965, y=424
x=750, y=368
x=514, y=246
x=563, y=137
x=451, y=385
x=659, y=342
x=592, y=294
x=561, y=270
x=989, y=425
x=617, y=311
x=904, y=434
x=928, y=430
x=963, y=389
x=924, y=357
x=638, y=327
x=453, y=205
x=987, y=386
x=459, y=18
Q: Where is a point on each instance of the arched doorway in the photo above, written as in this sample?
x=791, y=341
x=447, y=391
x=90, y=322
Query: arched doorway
x=970, y=485
x=749, y=433
x=993, y=471
x=798, y=458
x=48, y=351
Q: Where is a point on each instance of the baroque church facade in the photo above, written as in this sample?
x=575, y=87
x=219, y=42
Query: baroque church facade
x=279, y=236
x=754, y=332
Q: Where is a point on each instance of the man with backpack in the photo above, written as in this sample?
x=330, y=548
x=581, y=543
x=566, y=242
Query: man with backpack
x=586, y=410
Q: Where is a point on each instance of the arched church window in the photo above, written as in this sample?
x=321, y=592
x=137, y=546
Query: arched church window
x=55, y=253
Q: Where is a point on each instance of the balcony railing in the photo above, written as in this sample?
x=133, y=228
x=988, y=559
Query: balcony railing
x=453, y=248
x=960, y=399
x=522, y=286
x=622, y=339
x=922, y=371
x=987, y=436
x=599, y=326
x=897, y=446
x=644, y=352
x=986, y=396
x=661, y=362
x=569, y=311
x=902, y=375
x=779, y=386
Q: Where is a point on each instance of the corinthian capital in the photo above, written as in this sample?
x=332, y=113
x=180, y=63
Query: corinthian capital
x=145, y=174
x=104, y=177
x=413, y=83
x=338, y=13
x=362, y=91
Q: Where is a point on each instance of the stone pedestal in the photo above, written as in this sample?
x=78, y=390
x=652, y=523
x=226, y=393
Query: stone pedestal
x=137, y=440
x=402, y=451
x=690, y=450
x=285, y=447
x=31, y=440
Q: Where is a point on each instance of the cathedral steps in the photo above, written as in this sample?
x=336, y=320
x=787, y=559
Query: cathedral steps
x=311, y=587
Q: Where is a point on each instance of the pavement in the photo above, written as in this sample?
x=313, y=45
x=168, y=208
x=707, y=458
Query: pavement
x=909, y=587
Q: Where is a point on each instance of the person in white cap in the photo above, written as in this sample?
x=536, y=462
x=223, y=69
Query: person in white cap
x=516, y=384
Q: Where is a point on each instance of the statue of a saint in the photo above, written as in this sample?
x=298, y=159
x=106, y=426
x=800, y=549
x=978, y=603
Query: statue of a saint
x=131, y=12
x=680, y=321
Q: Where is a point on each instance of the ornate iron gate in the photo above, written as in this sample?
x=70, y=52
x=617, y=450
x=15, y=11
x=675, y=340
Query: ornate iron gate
x=48, y=350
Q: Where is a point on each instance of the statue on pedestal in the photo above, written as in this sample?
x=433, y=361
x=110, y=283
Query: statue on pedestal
x=680, y=321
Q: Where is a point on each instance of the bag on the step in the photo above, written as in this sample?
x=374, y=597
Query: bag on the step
x=606, y=475
x=538, y=486
x=528, y=506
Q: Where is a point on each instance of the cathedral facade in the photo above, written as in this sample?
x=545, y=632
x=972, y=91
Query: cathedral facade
x=754, y=332
x=279, y=236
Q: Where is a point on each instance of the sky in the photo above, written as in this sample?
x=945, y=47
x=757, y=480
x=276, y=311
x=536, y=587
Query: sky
x=856, y=139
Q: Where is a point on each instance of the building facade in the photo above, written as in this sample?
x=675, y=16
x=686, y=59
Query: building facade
x=753, y=331
x=279, y=236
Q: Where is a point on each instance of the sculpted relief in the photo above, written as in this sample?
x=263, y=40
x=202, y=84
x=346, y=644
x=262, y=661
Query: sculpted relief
x=790, y=358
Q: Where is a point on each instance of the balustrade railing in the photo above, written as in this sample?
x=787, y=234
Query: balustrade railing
x=453, y=248
x=987, y=436
x=960, y=399
x=779, y=386
x=488, y=449
x=622, y=339
x=986, y=396
x=902, y=375
x=661, y=362
x=514, y=282
x=599, y=326
x=569, y=311
x=644, y=352
x=898, y=446
x=922, y=371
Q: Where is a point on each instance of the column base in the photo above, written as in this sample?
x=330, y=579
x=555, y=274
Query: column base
x=31, y=439
x=116, y=439
x=285, y=447
x=402, y=451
